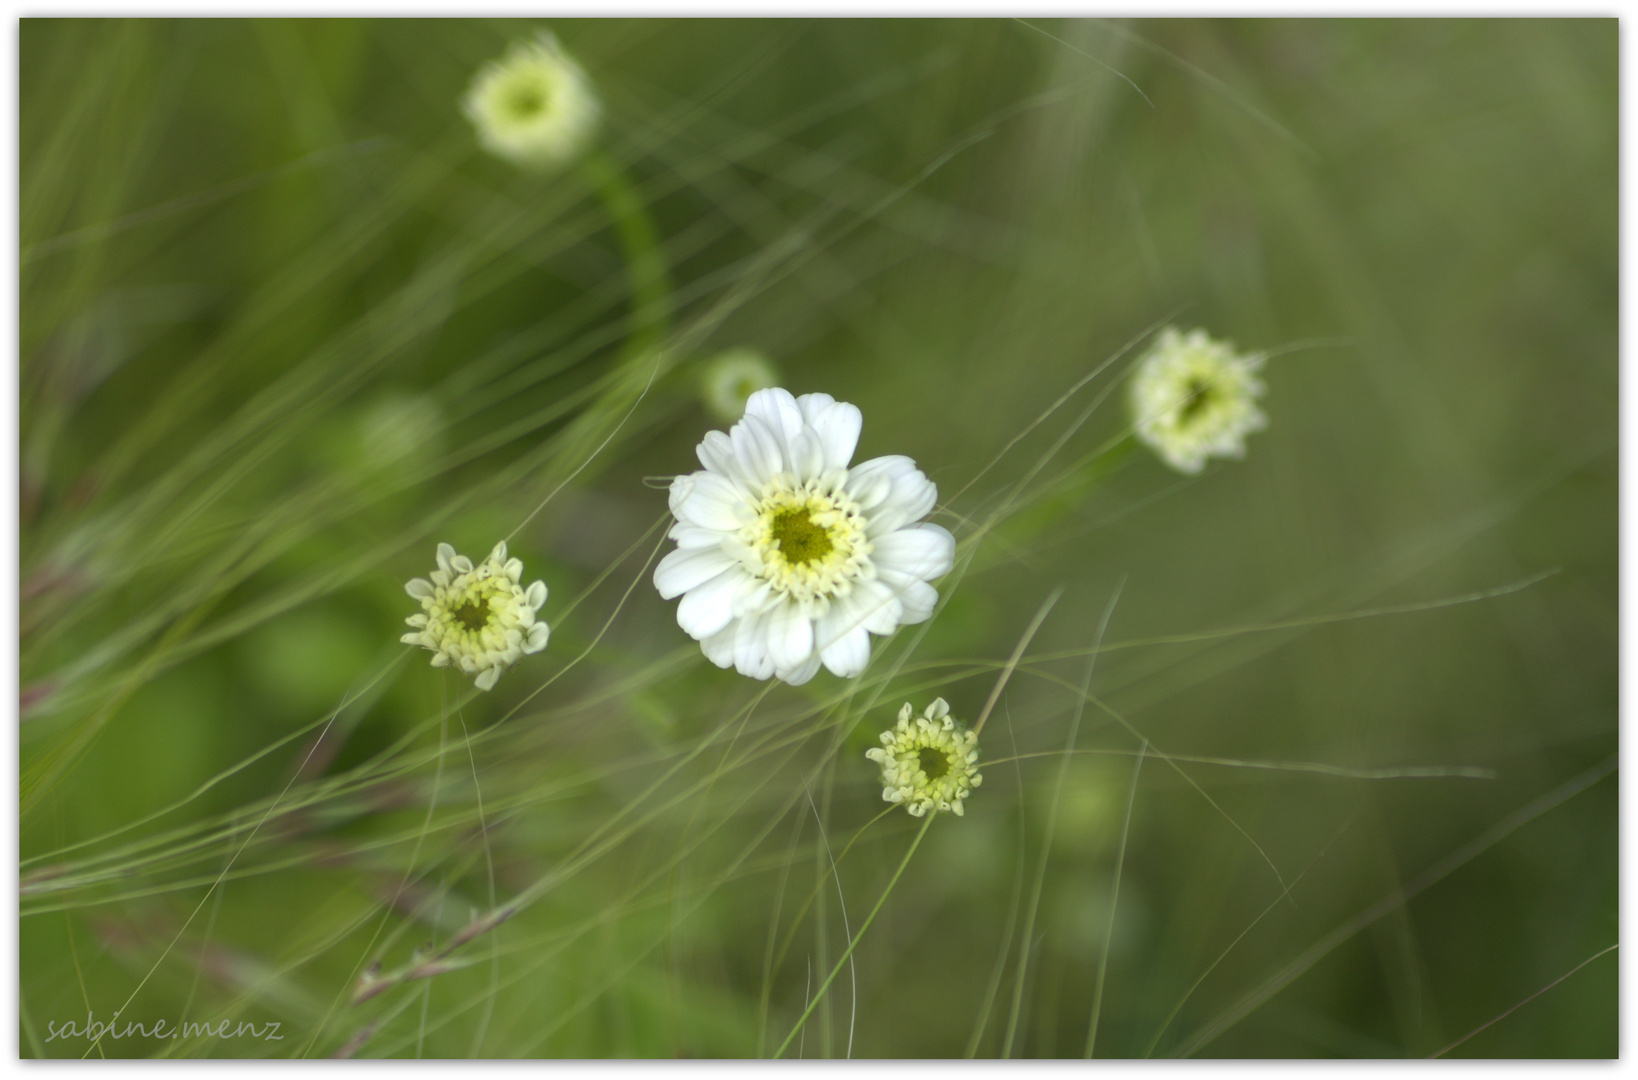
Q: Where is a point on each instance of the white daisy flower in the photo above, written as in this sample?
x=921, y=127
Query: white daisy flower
x=1193, y=398
x=477, y=618
x=786, y=558
x=730, y=378
x=534, y=106
x=928, y=763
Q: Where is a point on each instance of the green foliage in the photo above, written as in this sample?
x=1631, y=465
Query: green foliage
x=283, y=328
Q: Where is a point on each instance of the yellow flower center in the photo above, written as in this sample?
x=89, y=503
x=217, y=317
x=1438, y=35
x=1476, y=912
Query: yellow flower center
x=808, y=541
x=467, y=613
x=934, y=762
x=1198, y=399
x=474, y=614
x=800, y=540
x=525, y=100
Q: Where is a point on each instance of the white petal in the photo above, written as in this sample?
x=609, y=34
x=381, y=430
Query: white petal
x=926, y=551
x=461, y=564
x=716, y=453
x=751, y=647
x=757, y=449
x=814, y=404
x=776, y=408
x=693, y=537
x=719, y=647
x=790, y=637
x=848, y=656
x=917, y=597
x=905, y=480
x=446, y=554
x=837, y=424
x=486, y=678
x=869, y=482
x=499, y=553
x=538, y=634
x=420, y=588
x=800, y=675
x=683, y=570
x=681, y=488
x=807, y=455
x=709, y=607
x=711, y=502
x=910, y=498
x=876, y=607
x=758, y=598
x=536, y=595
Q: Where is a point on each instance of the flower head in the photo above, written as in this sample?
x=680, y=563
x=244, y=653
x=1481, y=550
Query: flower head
x=730, y=378
x=477, y=618
x=1193, y=398
x=787, y=558
x=534, y=106
x=928, y=763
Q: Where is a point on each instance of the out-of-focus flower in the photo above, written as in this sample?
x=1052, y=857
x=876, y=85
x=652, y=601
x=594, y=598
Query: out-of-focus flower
x=928, y=763
x=730, y=378
x=534, y=106
x=477, y=618
x=787, y=558
x=1194, y=398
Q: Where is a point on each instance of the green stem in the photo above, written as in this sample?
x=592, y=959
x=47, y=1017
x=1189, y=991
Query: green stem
x=645, y=264
x=880, y=900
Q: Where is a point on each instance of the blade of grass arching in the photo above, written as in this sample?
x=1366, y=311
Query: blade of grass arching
x=257, y=327
x=42, y=773
x=1012, y=661
x=1012, y=912
x=489, y=878
x=1114, y=899
x=1217, y=86
x=1509, y=1012
x=184, y=204
x=773, y=938
x=1082, y=52
x=1057, y=404
x=210, y=581
x=362, y=775
x=802, y=1020
x=766, y=825
x=1435, y=873
x=1149, y=1050
x=192, y=915
x=769, y=823
x=1028, y=934
x=73, y=941
x=821, y=947
x=225, y=774
x=114, y=117
x=1167, y=758
x=1403, y=772
x=841, y=902
x=1314, y=620
x=25, y=1018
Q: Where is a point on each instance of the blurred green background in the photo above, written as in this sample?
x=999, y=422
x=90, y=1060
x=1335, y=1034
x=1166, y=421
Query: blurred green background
x=284, y=328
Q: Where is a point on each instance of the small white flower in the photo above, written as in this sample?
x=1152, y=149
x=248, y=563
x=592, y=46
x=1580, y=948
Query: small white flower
x=477, y=618
x=730, y=378
x=534, y=106
x=786, y=558
x=928, y=763
x=1193, y=398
